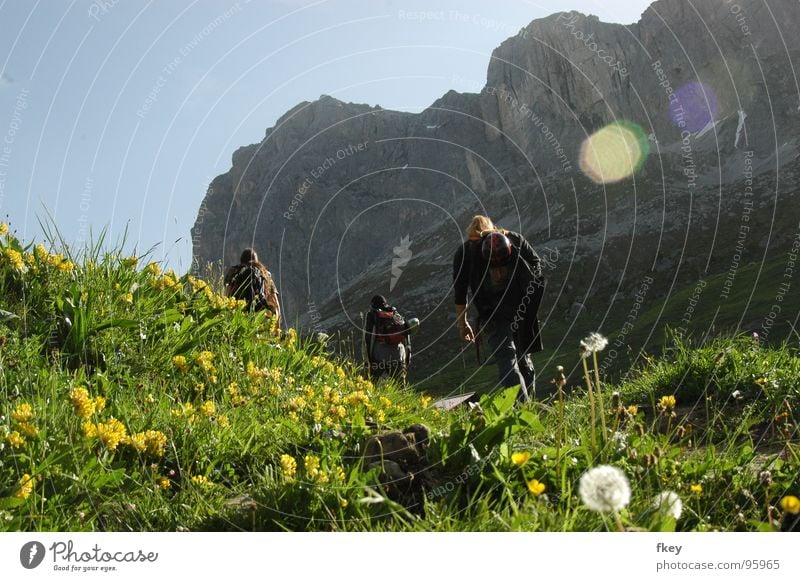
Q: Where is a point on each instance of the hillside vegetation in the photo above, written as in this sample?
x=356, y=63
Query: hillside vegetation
x=136, y=399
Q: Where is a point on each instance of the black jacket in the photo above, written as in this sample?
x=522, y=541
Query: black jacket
x=522, y=297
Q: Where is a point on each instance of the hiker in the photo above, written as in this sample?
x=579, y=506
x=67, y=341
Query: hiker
x=503, y=274
x=387, y=339
x=250, y=281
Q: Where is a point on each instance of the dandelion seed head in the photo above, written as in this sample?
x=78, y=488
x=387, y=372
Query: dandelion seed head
x=604, y=489
x=668, y=503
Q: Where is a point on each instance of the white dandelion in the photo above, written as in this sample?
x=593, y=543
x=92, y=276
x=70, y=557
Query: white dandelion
x=594, y=343
x=605, y=489
x=668, y=503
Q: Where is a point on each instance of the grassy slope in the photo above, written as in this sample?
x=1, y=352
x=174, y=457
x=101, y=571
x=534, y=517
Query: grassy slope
x=254, y=429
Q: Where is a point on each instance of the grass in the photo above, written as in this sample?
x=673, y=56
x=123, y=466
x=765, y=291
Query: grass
x=135, y=399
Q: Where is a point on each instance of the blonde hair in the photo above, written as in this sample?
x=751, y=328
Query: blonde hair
x=478, y=225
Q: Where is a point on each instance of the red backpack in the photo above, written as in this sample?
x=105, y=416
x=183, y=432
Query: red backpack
x=390, y=327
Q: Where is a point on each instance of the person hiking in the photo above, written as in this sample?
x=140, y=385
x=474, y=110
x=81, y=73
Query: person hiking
x=251, y=282
x=387, y=340
x=502, y=272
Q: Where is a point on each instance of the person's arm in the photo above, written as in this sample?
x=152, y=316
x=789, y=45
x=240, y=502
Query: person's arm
x=461, y=275
x=529, y=255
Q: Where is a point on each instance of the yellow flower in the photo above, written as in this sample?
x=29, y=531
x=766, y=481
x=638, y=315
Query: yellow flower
x=223, y=422
x=40, y=252
x=311, y=464
x=204, y=359
x=130, y=262
x=519, y=458
x=203, y=481
x=136, y=441
x=535, y=487
x=15, y=259
x=111, y=433
x=24, y=487
x=163, y=482
x=22, y=413
x=632, y=409
x=339, y=474
x=99, y=403
x=28, y=429
x=127, y=298
x=425, y=400
x=179, y=363
x=288, y=466
x=208, y=409
x=84, y=405
x=153, y=269
x=156, y=442
x=343, y=503
x=3, y=228
x=68, y=266
x=790, y=504
x=88, y=429
x=15, y=440
x=696, y=488
x=667, y=402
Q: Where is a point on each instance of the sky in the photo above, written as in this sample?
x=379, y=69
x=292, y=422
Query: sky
x=117, y=114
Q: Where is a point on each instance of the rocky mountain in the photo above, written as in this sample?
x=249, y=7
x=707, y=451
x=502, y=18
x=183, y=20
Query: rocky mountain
x=346, y=200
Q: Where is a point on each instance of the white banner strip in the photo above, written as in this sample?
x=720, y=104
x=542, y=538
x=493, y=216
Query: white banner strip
x=399, y=556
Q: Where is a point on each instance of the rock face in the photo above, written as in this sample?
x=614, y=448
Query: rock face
x=344, y=200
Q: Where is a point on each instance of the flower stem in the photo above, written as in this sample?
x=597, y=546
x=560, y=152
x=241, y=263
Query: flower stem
x=600, y=399
x=591, y=404
x=618, y=520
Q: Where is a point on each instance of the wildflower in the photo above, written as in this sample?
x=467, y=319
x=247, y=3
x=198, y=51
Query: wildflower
x=89, y=429
x=425, y=400
x=343, y=503
x=179, y=363
x=99, y=403
x=519, y=458
x=288, y=466
x=223, y=422
x=668, y=503
x=605, y=489
x=127, y=298
x=620, y=441
x=632, y=410
x=203, y=481
x=22, y=413
x=3, y=229
x=15, y=259
x=696, y=488
x=28, y=429
x=163, y=482
x=208, y=409
x=130, y=261
x=84, y=405
x=790, y=504
x=24, y=487
x=111, y=433
x=153, y=269
x=311, y=464
x=339, y=474
x=40, y=252
x=68, y=266
x=15, y=440
x=204, y=359
x=136, y=441
x=667, y=402
x=535, y=487
x=593, y=343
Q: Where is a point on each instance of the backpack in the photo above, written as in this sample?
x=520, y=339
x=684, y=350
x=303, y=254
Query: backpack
x=250, y=285
x=390, y=327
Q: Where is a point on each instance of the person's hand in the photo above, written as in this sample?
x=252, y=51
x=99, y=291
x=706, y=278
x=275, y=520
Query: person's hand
x=466, y=332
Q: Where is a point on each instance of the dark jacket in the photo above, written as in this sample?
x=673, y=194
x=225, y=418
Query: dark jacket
x=521, y=299
x=371, y=336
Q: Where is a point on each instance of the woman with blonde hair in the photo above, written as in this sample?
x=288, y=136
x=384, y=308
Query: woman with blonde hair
x=501, y=271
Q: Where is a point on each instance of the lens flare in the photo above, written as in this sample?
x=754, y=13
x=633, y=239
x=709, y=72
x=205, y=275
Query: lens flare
x=614, y=152
x=695, y=106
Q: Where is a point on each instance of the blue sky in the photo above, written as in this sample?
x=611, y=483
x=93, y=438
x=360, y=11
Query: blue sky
x=118, y=113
